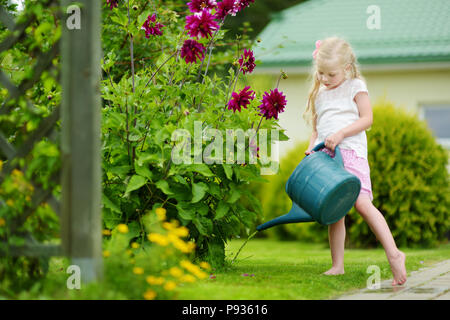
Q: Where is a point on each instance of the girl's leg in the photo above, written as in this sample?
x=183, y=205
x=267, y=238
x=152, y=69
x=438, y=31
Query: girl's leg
x=379, y=227
x=336, y=235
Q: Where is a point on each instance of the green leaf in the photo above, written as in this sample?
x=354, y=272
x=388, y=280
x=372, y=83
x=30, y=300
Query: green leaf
x=144, y=158
x=163, y=185
x=247, y=217
x=200, y=168
x=198, y=191
x=204, y=225
x=184, y=211
x=201, y=208
x=222, y=210
x=228, y=170
x=120, y=171
x=235, y=195
x=107, y=203
x=136, y=182
x=143, y=170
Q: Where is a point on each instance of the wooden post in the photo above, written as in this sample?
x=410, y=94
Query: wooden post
x=80, y=144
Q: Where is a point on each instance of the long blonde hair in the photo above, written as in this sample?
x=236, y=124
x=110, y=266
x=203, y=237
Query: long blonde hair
x=332, y=50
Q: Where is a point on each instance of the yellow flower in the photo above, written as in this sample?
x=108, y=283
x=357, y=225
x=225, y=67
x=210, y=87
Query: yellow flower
x=181, y=245
x=187, y=278
x=10, y=202
x=135, y=245
x=138, y=270
x=161, y=213
x=200, y=274
x=17, y=173
x=154, y=280
x=176, y=272
x=158, y=238
x=181, y=231
x=106, y=253
x=1, y=165
x=170, y=285
x=123, y=228
x=192, y=268
x=149, y=295
x=2, y=222
x=106, y=232
x=205, y=265
x=168, y=226
x=28, y=198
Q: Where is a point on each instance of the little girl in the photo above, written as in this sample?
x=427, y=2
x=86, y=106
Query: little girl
x=340, y=110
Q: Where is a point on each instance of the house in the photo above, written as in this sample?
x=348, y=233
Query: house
x=402, y=46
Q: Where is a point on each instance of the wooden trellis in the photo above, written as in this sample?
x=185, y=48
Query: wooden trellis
x=80, y=177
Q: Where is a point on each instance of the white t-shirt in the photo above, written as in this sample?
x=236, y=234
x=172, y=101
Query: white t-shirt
x=336, y=109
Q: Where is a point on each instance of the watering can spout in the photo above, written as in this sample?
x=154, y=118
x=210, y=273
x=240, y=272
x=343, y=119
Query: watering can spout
x=296, y=214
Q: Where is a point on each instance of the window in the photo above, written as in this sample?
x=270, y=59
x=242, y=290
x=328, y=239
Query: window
x=438, y=118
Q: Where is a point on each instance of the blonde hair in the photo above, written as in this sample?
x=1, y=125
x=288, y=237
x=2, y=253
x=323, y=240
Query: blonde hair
x=332, y=50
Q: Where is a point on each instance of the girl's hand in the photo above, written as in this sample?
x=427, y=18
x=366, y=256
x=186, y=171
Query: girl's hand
x=308, y=152
x=333, y=140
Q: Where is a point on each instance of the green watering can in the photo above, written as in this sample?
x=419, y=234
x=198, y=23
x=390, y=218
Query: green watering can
x=320, y=189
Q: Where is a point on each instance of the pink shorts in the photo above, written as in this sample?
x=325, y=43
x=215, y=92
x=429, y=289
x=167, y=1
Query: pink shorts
x=357, y=166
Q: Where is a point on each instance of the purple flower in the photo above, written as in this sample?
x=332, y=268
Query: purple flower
x=225, y=8
x=273, y=103
x=244, y=4
x=192, y=50
x=241, y=99
x=201, y=23
x=247, y=61
x=112, y=3
x=199, y=5
x=152, y=27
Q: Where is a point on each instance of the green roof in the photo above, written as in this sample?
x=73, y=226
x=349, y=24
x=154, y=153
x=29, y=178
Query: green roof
x=410, y=31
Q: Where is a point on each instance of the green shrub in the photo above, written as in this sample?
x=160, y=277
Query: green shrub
x=410, y=181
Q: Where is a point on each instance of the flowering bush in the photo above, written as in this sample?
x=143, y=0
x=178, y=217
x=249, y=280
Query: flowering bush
x=165, y=85
x=150, y=269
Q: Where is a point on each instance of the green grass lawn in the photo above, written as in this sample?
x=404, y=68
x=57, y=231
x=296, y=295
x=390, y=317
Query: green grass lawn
x=293, y=270
x=281, y=270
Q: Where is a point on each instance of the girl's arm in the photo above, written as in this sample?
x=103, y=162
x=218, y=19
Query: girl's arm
x=365, y=121
x=311, y=142
x=365, y=116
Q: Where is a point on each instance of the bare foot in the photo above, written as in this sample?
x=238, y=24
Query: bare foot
x=398, y=268
x=334, y=271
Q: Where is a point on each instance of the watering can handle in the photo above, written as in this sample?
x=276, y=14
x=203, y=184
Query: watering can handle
x=337, y=152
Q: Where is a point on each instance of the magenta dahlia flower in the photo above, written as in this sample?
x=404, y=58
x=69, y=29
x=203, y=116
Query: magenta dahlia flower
x=112, y=3
x=152, y=27
x=241, y=99
x=225, y=8
x=201, y=23
x=273, y=103
x=247, y=61
x=191, y=50
x=244, y=3
x=199, y=5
